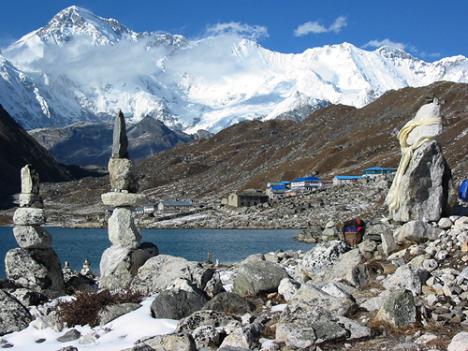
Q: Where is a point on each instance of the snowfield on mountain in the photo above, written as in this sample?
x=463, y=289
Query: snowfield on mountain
x=84, y=67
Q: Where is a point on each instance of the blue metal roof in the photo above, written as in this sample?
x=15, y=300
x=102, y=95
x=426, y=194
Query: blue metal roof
x=279, y=187
x=307, y=179
x=379, y=169
x=348, y=177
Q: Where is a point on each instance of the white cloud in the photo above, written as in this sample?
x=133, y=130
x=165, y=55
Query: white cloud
x=385, y=42
x=339, y=23
x=245, y=30
x=317, y=28
x=309, y=27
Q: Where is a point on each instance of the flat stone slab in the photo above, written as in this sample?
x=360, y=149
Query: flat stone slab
x=119, y=199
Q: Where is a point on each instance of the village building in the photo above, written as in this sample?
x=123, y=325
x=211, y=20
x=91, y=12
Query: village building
x=346, y=179
x=174, y=205
x=276, y=190
x=376, y=171
x=306, y=183
x=247, y=198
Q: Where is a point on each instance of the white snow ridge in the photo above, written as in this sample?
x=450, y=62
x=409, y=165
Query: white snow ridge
x=84, y=67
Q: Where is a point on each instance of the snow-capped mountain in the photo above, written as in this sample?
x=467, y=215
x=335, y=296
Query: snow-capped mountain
x=84, y=67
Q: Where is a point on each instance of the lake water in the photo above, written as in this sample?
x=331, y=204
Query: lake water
x=227, y=245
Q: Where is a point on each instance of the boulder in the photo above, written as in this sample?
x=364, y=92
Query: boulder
x=121, y=199
x=206, y=318
x=405, y=277
x=229, y=303
x=119, y=265
x=287, y=288
x=121, y=175
x=302, y=325
x=13, y=315
x=258, y=277
x=179, y=342
x=29, y=216
x=398, y=309
x=159, y=272
x=459, y=342
x=349, y=267
x=416, y=232
x=321, y=257
x=445, y=223
x=70, y=335
x=122, y=228
x=356, y=330
x=109, y=313
x=32, y=237
x=177, y=304
x=424, y=187
x=28, y=297
x=310, y=294
x=35, y=269
x=388, y=243
x=207, y=337
x=243, y=338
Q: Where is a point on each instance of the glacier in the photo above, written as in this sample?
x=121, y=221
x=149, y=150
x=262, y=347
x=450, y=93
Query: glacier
x=83, y=67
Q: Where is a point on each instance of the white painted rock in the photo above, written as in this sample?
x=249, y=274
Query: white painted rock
x=431, y=110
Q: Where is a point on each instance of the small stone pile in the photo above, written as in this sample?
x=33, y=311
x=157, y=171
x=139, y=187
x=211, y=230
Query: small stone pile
x=34, y=265
x=120, y=263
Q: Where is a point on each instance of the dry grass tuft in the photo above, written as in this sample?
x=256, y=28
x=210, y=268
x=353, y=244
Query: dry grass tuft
x=84, y=309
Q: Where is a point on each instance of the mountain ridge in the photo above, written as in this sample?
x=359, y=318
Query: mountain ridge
x=81, y=66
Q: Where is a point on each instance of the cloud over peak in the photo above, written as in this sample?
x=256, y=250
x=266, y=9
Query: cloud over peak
x=242, y=29
x=316, y=27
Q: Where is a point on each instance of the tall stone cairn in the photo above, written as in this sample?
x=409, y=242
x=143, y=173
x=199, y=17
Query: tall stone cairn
x=34, y=265
x=120, y=262
x=422, y=185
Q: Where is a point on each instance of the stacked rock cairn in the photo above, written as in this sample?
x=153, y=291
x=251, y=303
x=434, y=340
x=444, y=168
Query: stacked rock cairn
x=120, y=262
x=34, y=265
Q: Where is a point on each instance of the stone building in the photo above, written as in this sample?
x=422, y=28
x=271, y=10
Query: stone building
x=247, y=198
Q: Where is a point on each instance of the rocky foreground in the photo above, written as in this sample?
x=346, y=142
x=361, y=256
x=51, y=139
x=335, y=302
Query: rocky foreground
x=409, y=292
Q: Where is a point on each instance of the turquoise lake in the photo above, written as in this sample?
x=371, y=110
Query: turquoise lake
x=227, y=245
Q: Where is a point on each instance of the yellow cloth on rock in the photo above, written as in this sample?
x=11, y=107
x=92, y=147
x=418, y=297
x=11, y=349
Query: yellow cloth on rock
x=393, y=198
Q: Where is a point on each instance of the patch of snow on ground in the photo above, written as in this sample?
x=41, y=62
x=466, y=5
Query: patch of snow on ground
x=118, y=334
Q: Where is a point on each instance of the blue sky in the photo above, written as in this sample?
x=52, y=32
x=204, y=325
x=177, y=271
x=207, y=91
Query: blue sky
x=427, y=29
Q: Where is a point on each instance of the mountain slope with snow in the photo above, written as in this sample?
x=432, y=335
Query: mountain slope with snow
x=84, y=67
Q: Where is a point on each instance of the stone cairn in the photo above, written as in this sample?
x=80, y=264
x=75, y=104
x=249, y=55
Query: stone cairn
x=421, y=187
x=120, y=263
x=34, y=265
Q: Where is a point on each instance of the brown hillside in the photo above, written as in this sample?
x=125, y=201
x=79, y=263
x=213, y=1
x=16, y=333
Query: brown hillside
x=334, y=140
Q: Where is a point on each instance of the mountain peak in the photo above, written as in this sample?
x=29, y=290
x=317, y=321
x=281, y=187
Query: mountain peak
x=393, y=52
x=77, y=21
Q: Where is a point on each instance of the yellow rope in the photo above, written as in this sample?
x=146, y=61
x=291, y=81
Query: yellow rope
x=393, y=198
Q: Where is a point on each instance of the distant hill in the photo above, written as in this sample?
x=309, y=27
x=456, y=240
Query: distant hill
x=90, y=143
x=18, y=148
x=337, y=139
